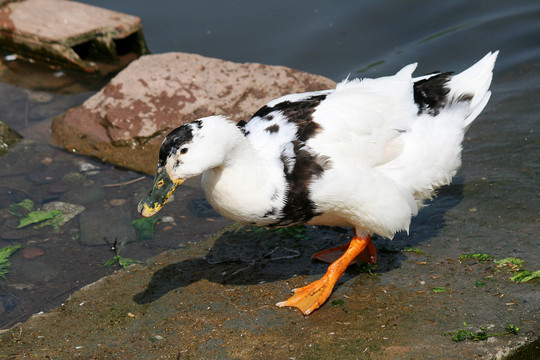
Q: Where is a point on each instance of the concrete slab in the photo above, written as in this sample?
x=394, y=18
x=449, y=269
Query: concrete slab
x=71, y=34
x=215, y=300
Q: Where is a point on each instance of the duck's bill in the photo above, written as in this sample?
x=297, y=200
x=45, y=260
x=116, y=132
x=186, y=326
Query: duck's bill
x=161, y=190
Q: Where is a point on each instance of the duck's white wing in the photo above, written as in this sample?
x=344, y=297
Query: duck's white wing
x=362, y=120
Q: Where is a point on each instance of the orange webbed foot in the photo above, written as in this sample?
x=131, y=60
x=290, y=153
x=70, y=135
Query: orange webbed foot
x=310, y=297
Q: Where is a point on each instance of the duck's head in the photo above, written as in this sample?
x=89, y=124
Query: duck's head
x=187, y=151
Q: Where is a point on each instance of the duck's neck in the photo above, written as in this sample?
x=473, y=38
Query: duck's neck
x=242, y=186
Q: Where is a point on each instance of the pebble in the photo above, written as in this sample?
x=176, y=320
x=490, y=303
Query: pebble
x=31, y=252
x=117, y=202
x=40, y=97
x=167, y=219
x=58, y=188
x=46, y=160
x=39, y=178
x=88, y=168
x=73, y=177
x=22, y=286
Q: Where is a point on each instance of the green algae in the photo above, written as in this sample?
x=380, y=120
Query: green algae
x=511, y=264
x=525, y=275
x=21, y=208
x=42, y=218
x=122, y=261
x=28, y=216
x=5, y=253
x=481, y=335
x=477, y=256
x=439, y=289
x=146, y=227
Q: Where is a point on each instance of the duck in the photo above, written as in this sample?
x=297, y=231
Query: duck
x=365, y=155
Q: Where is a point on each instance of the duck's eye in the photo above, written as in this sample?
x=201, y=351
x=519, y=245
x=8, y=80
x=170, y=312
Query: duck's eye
x=183, y=150
x=160, y=183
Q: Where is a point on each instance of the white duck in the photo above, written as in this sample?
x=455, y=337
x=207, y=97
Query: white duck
x=366, y=155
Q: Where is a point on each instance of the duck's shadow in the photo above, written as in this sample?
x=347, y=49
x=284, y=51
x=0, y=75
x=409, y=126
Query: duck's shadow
x=246, y=256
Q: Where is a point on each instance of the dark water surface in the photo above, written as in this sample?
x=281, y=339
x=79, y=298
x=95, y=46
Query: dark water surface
x=495, y=196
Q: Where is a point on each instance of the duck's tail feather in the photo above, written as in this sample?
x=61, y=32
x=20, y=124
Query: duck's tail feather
x=473, y=85
x=437, y=92
x=447, y=104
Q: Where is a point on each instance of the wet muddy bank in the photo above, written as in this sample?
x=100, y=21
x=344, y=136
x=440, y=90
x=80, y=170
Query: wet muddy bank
x=215, y=299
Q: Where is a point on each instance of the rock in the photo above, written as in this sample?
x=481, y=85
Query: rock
x=35, y=271
x=84, y=195
x=71, y=34
x=127, y=120
x=102, y=226
x=22, y=286
x=40, y=97
x=58, y=188
x=47, y=161
x=88, y=168
x=32, y=252
x=8, y=137
x=8, y=303
x=40, y=178
x=69, y=211
x=117, y=202
x=167, y=219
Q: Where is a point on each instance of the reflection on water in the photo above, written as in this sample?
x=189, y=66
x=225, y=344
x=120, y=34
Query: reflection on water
x=495, y=200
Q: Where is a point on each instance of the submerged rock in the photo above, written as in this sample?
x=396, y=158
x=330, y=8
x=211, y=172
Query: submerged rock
x=8, y=137
x=72, y=34
x=69, y=211
x=102, y=226
x=32, y=252
x=126, y=121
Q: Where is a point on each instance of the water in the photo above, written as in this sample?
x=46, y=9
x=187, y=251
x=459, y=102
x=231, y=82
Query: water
x=496, y=189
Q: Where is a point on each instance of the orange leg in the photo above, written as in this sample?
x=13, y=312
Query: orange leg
x=369, y=255
x=309, y=298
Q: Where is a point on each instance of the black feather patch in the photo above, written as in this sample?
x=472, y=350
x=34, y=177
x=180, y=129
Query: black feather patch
x=431, y=95
x=175, y=140
x=301, y=169
x=299, y=208
x=298, y=112
x=465, y=97
x=242, y=126
x=197, y=123
x=272, y=128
